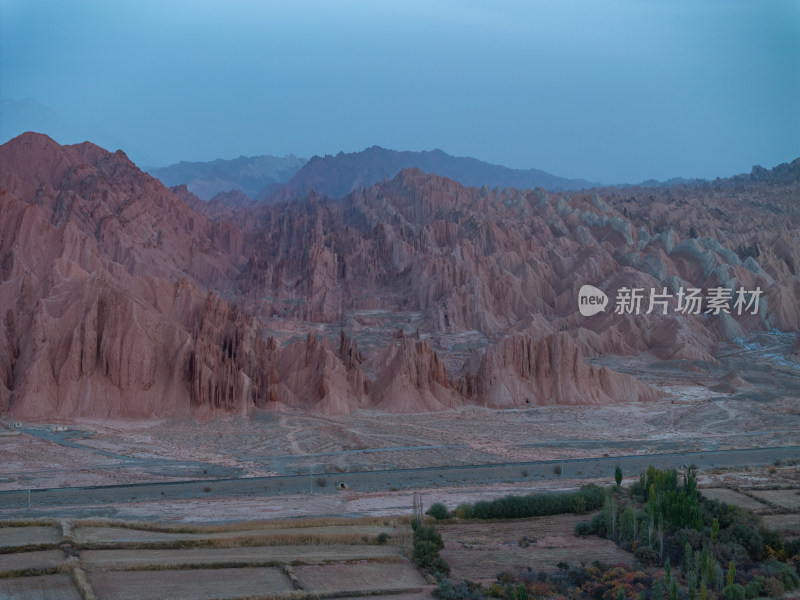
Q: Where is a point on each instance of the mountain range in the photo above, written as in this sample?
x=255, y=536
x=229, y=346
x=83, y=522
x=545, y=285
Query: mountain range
x=271, y=179
x=121, y=298
x=337, y=176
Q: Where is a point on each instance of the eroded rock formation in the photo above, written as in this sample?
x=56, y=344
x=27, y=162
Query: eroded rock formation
x=121, y=298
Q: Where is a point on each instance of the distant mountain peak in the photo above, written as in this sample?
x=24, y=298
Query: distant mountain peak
x=336, y=176
x=247, y=174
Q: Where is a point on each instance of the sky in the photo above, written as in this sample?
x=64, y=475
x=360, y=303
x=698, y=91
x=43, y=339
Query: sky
x=614, y=91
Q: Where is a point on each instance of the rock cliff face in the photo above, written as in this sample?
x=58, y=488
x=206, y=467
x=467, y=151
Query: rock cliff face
x=120, y=298
x=520, y=371
x=411, y=378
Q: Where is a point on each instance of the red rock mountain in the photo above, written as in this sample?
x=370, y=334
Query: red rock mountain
x=121, y=298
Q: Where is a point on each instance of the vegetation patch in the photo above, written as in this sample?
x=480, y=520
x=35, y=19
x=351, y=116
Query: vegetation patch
x=685, y=546
x=588, y=498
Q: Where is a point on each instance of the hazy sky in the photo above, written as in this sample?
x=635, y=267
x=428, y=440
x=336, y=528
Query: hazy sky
x=613, y=91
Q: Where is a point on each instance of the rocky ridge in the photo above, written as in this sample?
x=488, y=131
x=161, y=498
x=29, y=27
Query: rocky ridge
x=123, y=299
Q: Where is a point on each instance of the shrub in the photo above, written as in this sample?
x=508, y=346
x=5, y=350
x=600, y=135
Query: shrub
x=747, y=537
x=520, y=592
x=482, y=510
x=427, y=544
x=428, y=533
x=464, y=511
x=496, y=591
x=786, y=574
x=734, y=592
x=772, y=587
x=439, y=567
x=753, y=587
x=598, y=525
x=438, y=511
x=557, y=469
x=383, y=537
x=447, y=590
x=646, y=555
x=593, y=495
x=583, y=529
x=425, y=551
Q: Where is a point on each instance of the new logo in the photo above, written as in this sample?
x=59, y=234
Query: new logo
x=591, y=300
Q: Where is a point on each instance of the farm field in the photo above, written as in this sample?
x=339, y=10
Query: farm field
x=787, y=524
x=29, y=536
x=110, y=535
x=359, y=576
x=404, y=596
x=733, y=497
x=323, y=556
x=39, y=559
x=480, y=550
x=772, y=493
x=149, y=561
x=44, y=587
x=127, y=559
x=787, y=498
x=195, y=583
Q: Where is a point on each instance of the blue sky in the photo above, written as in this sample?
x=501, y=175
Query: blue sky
x=613, y=91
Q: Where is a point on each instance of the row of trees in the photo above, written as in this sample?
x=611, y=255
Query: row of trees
x=588, y=498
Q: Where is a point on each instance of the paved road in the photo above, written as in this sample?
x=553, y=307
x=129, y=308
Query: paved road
x=370, y=481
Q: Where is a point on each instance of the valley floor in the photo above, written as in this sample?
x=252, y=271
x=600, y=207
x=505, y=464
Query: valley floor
x=291, y=463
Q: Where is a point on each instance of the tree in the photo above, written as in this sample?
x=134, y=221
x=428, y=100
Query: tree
x=627, y=524
x=687, y=559
x=715, y=529
x=691, y=586
x=673, y=589
x=438, y=511
x=521, y=592
x=658, y=590
x=618, y=475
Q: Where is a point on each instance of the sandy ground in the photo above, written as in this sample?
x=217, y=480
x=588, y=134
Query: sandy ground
x=135, y=452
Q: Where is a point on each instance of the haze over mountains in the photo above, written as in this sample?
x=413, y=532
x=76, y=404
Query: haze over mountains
x=250, y=174
x=121, y=298
x=336, y=176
